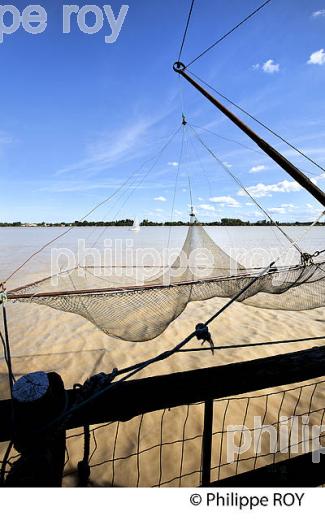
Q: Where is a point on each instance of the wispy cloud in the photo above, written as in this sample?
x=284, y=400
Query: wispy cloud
x=5, y=140
x=317, y=58
x=283, y=209
x=109, y=149
x=270, y=67
x=117, y=146
x=225, y=200
x=266, y=190
x=258, y=168
x=173, y=163
x=207, y=207
x=318, y=14
x=160, y=199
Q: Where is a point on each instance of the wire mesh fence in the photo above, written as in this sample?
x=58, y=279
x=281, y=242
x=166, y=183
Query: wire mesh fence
x=164, y=448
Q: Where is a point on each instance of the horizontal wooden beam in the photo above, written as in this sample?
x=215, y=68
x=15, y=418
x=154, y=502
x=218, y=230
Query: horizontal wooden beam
x=132, y=398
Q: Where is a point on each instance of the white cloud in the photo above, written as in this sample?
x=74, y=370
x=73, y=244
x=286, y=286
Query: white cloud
x=258, y=168
x=173, y=163
x=256, y=66
x=200, y=199
x=277, y=211
x=318, y=178
x=206, y=207
x=225, y=200
x=317, y=58
x=160, y=199
x=282, y=209
x=266, y=190
x=270, y=67
x=227, y=164
x=317, y=14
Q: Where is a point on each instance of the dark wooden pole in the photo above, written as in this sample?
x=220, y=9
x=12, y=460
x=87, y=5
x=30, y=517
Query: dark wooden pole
x=292, y=170
x=38, y=399
x=207, y=443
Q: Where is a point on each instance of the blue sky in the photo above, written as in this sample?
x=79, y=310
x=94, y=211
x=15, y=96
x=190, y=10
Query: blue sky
x=79, y=116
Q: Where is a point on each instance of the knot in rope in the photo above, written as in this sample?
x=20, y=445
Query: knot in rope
x=203, y=334
x=95, y=383
x=307, y=258
x=3, y=296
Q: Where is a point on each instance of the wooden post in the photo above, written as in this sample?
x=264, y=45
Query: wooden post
x=38, y=399
x=207, y=443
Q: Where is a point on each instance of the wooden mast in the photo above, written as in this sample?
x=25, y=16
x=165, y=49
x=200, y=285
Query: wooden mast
x=292, y=170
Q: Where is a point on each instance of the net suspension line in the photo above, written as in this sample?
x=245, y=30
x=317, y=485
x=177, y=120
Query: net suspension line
x=269, y=129
x=253, y=13
x=229, y=172
x=125, y=183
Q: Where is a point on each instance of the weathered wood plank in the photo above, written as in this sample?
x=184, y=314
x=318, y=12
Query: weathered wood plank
x=132, y=398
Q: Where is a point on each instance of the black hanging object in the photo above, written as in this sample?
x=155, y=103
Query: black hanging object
x=203, y=334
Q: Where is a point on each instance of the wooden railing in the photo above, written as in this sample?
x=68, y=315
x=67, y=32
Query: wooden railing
x=131, y=399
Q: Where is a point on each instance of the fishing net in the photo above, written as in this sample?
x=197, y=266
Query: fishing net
x=134, y=305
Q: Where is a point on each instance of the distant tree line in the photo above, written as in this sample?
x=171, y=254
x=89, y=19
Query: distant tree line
x=145, y=222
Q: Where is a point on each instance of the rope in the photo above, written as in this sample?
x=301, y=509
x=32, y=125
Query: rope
x=164, y=355
x=83, y=465
x=227, y=170
x=80, y=220
x=229, y=140
x=4, y=464
x=139, y=182
x=228, y=33
x=6, y=348
x=259, y=122
x=186, y=29
x=261, y=344
x=175, y=186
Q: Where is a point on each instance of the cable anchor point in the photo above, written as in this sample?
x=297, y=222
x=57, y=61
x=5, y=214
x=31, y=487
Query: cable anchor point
x=179, y=66
x=3, y=295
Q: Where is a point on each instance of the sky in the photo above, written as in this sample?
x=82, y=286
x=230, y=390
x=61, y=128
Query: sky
x=79, y=116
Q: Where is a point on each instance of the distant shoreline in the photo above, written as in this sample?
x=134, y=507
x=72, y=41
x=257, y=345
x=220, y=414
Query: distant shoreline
x=147, y=223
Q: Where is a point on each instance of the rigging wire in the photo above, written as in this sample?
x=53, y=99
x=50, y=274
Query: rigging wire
x=227, y=170
x=197, y=159
x=81, y=220
x=273, y=132
x=248, y=345
x=186, y=29
x=166, y=354
x=255, y=150
x=139, y=182
x=176, y=184
x=190, y=190
x=253, y=13
x=122, y=193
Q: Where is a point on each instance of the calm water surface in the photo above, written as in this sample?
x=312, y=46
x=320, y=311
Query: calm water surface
x=253, y=246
